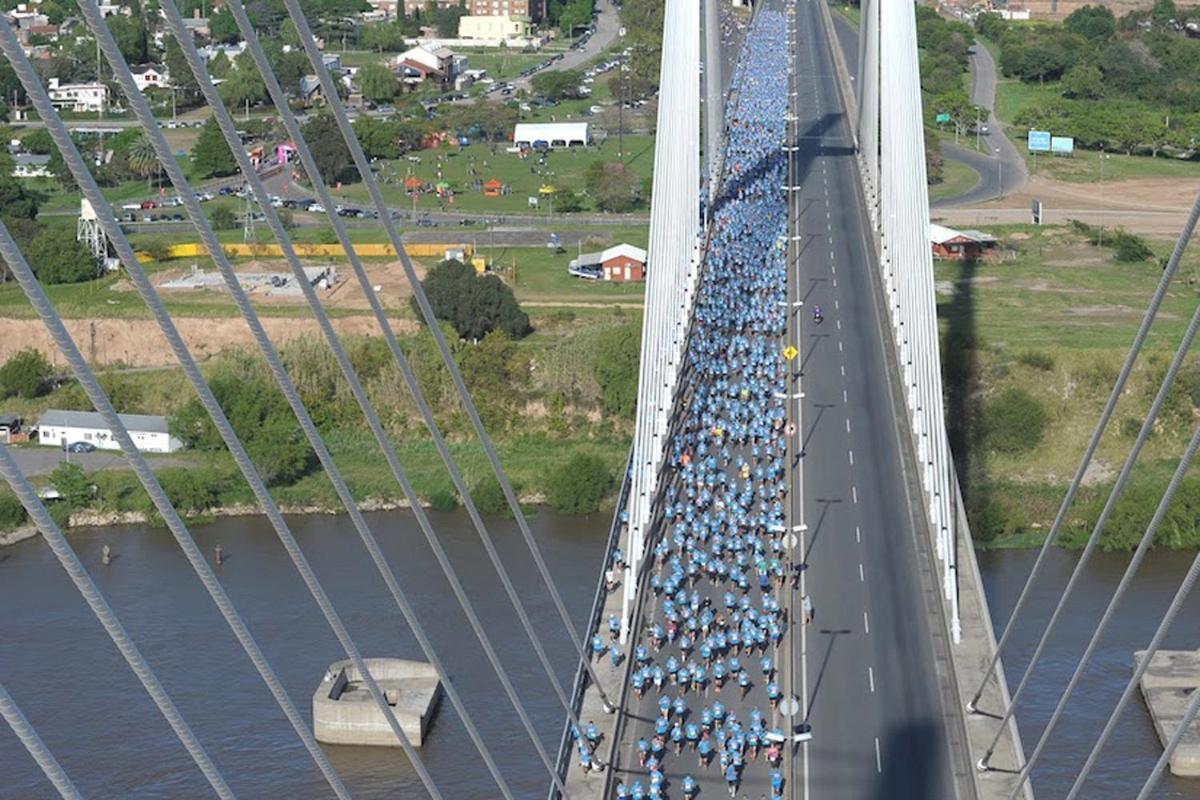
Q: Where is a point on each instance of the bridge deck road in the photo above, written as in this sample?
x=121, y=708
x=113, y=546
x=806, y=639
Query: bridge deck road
x=874, y=703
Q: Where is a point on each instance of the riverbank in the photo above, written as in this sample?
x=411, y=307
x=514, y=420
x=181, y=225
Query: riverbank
x=99, y=519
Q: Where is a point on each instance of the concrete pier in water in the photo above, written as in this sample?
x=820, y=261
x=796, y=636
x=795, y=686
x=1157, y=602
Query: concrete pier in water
x=344, y=712
x=1167, y=685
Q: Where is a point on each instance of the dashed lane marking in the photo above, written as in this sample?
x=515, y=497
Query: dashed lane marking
x=870, y=671
x=863, y=579
x=866, y=623
x=854, y=494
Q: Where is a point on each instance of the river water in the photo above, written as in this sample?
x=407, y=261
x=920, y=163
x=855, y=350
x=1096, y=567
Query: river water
x=95, y=717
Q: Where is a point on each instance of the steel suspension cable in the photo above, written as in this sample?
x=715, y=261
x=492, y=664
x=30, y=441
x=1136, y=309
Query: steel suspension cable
x=142, y=111
x=1189, y=715
x=361, y=163
x=1135, y=349
x=87, y=379
x=1181, y=353
x=271, y=510
x=409, y=374
x=33, y=743
x=1181, y=594
x=230, y=131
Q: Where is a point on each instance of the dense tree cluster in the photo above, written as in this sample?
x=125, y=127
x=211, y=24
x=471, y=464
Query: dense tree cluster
x=475, y=305
x=26, y=374
x=259, y=414
x=1142, y=66
x=613, y=185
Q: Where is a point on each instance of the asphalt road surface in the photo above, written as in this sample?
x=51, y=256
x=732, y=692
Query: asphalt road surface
x=864, y=669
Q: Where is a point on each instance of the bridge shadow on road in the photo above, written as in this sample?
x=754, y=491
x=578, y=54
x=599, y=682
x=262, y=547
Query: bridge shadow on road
x=911, y=755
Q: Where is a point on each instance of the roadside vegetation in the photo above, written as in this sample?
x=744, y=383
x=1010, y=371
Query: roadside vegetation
x=1032, y=342
x=1126, y=86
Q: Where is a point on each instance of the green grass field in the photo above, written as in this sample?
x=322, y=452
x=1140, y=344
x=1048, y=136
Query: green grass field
x=563, y=168
x=957, y=178
x=1055, y=317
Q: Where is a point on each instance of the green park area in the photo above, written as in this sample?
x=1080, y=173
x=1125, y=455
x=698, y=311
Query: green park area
x=956, y=178
x=1032, y=342
x=466, y=170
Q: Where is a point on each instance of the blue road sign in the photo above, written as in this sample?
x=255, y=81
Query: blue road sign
x=1039, y=141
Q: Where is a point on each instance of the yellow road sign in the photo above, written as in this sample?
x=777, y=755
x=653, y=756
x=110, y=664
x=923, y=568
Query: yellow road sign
x=790, y=352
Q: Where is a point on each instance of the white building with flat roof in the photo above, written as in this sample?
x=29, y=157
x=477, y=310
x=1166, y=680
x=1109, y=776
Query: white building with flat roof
x=77, y=96
x=551, y=134
x=62, y=428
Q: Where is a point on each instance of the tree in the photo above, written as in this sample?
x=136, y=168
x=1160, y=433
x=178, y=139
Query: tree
x=187, y=91
x=26, y=374
x=567, y=201
x=223, y=27
x=244, y=85
x=222, y=218
x=39, y=141
x=556, y=84
x=575, y=14
x=328, y=148
x=958, y=105
x=12, y=513
x=16, y=201
x=258, y=413
x=580, y=485
x=211, y=156
x=131, y=37
x=219, y=66
x=378, y=83
x=1083, y=82
x=474, y=304
x=613, y=185
x=57, y=257
x=1163, y=13
x=379, y=137
x=382, y=37
x=1096, y=23
x=615, y=364
x=71, y=483
x=143, y=160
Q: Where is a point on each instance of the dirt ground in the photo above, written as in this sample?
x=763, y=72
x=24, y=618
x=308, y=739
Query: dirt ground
x=1149, y=206
x=388, y=278
x=139, y=343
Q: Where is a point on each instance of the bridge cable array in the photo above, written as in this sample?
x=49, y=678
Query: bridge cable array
x=1147, y=428
x=127, y=256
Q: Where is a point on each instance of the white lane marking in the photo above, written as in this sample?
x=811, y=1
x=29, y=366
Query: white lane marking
x=833, y=269
x=878, y=760
x=854, y=494
x=843, y=370
x=851, y=457
x=866, y=623
x=847, y=425
x=837, y=306
x=839, y=322
x=857, y=534
x=835, y=279
x=845, y=398
x=871, y=673
x=862, y=579
x=839, y=347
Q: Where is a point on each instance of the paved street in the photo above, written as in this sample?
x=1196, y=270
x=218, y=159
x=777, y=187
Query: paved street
x=43, y=460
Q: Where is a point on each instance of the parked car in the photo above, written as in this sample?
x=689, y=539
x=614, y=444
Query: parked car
x=426, y=222
x=81, y=447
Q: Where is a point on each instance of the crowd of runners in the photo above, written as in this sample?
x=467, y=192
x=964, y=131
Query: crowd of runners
x=719, y=573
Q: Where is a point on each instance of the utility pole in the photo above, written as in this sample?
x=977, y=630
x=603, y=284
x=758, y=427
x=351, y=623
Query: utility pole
x=621, y=102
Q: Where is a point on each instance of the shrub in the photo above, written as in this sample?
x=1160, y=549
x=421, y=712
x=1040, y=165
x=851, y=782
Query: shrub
x=158, y=249
x=26, y=374
x=72, y=484
x=615, y=365
x=1130, y=427
x=488, y=496
x=12, y=513
x=57, y=257
x=1131, y=248
x=443, y=498
x=1037, y=360
x=579, y=485
x=474, y=304
x=1014, y=421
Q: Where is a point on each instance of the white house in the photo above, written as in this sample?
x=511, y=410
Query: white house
x=31, y=165
x=432, y=57
x=500, y=28
x=551, y=134
x=149, y=433
x=150, y=76
x=77, y=96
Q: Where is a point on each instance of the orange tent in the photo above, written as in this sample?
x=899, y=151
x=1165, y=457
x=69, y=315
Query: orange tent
x=412, y=183
x=492, y=188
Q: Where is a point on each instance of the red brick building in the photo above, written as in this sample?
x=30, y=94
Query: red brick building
x=622, y=262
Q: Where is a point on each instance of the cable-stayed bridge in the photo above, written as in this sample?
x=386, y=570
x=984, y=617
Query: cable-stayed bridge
x=794, y=590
